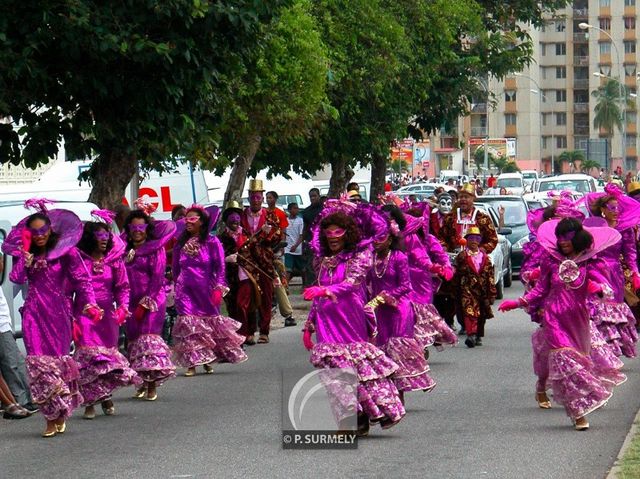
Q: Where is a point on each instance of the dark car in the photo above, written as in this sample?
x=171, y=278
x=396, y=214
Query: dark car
x=515, y=218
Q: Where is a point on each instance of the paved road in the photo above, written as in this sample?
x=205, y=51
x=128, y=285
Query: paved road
x=480, y=421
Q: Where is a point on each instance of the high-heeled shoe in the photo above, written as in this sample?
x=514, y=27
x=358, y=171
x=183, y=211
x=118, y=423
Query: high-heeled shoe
x=543, y=400
x=61, y=428
x=48, y=433
x=89, y=413
x=108, y=408
x=190, y=372
x=140, y=393
x=581, y=424
x=208, y=368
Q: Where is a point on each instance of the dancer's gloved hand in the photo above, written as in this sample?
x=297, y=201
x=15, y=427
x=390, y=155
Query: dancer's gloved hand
x=25, y=238
x=76, y=332
x=232, y=258
x=593, y=287
x=435, y=269
x=216, y=297
x=534, y=275
x=447, y=273
x=508, y=305
x=121, y=315
x=93, y=312
x=306, y=339
x=139, y=312
x=636, y=281
x=314, y=292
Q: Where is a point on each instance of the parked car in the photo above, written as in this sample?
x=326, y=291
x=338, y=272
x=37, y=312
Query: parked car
x=424, y=188
x=512, y=182
x=578, y=183
x=515, y=219
x=529, y=177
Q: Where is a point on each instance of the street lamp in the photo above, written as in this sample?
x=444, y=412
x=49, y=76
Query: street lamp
x=540, y=98
x=586, y=26
x=484, y=85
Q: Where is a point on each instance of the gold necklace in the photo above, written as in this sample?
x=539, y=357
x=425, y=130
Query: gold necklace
x=385, y=263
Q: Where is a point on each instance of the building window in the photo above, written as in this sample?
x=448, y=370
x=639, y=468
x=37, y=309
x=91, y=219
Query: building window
x=543, y=49
x=629, y=3
x=510, y=119
x=630, y=46
x=561, y=96
x=632, y=117
x=560, y=25
x=561, y=119
x=544, y=119
x=545, y=142
x=561, y=49
x=630, y=70
x=561, y=141
x=629, y=23
x=630, y=141
x=605, y=47
x=605, y=3
x=509, y=95
x=605, y=23
x=561, y=72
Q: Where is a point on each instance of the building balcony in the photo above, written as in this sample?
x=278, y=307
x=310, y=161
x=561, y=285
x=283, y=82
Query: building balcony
x=478, y=108
x=605, y=59
x=631, y=128
x=629, y=58
x=581, y=108
x=631, y=150
x=630, y=34
x=579, y=13
x=580, y=83
x=630, y=81
x=580, y=61
x=510, y=131
x=478, y=131
x=449, y=133
x=580, y=37
x=510, y=107
x=629, y=11
x=581, y=129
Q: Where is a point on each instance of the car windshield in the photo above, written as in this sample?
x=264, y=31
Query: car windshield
x=509, y=183
x=515, y=213
x=581, y=186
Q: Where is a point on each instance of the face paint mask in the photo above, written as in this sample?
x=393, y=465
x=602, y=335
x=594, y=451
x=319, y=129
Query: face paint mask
x=40, y=231
x=333, y=234
x=141, y=228
x=567, y=236
x=255, y=197
x=444, y=204
x=474, y=238
x=233, y=218
x=101, y=235
x=192, y=219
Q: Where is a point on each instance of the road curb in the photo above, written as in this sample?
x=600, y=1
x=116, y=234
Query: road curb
x=615, y=469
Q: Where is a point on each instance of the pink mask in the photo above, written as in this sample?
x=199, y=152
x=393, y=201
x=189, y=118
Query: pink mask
x=255, y=197
x=192, y=219
x=567, y=237
x=141, y=228
x=233, y=218
x=337, y=233
x=40, y=231
x=474, y=238
x=101, y=235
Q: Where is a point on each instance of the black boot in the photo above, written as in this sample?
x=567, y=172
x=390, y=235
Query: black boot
x=478, y=341
x=470, y=342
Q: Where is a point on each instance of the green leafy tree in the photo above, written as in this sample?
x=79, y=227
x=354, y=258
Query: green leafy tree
x=510, y=167
x=123, y=82
x=571, y=156
x=587, y=166
x=478, y=157
x=607, y=112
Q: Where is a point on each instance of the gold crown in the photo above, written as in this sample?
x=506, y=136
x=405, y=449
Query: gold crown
x=255, y=185
x=469, y=189
x=473, y=230
x=634, y=186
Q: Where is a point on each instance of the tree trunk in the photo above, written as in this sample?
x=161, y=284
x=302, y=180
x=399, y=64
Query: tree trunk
x=378, y=174
x=341, y=173
x=241, y=166
x=110, y=174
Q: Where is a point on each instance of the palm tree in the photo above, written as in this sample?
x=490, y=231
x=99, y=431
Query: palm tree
x=571, y=156
x=587, y=165
x=607, y=110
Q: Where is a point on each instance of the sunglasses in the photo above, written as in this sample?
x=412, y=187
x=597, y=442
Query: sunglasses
x=192, y=219
x=141, y=228
x=567, y=236
x=333, y=234
x=382, y=240
x=101, y=235
x=474, y=238
x=613, y=208
x=40, y=231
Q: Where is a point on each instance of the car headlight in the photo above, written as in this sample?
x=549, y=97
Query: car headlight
x=521, y=242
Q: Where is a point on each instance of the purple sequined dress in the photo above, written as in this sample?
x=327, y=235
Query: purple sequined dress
x=103, y=368
x=149, y=355
x=562, y=346
x=343, y=331
x=613, y=318
x=430, y=328
x=202, y=335
x=390, y=276
x=46, y=323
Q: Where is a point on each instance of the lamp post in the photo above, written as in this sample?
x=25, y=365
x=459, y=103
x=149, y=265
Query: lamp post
x=484, y=85
x=586, y=26
x=540, y=98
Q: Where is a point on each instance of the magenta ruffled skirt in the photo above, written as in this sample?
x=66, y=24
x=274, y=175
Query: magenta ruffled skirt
x=53, y=383
x=150, y=357
x=202, y=340
x=413, y=371
x=102, y=371
x=575, y=383
x=616, y=323
x=606, y=364
x=377, y=395
x=430, y=328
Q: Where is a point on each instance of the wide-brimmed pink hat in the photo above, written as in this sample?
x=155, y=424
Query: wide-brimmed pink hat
x=629, y=215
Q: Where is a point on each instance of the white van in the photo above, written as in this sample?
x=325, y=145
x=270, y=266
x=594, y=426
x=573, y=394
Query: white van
x=512, y=182
x=10, y=214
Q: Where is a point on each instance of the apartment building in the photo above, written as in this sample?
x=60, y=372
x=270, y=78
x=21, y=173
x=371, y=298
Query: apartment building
x=549, y=108
x=13, y=175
